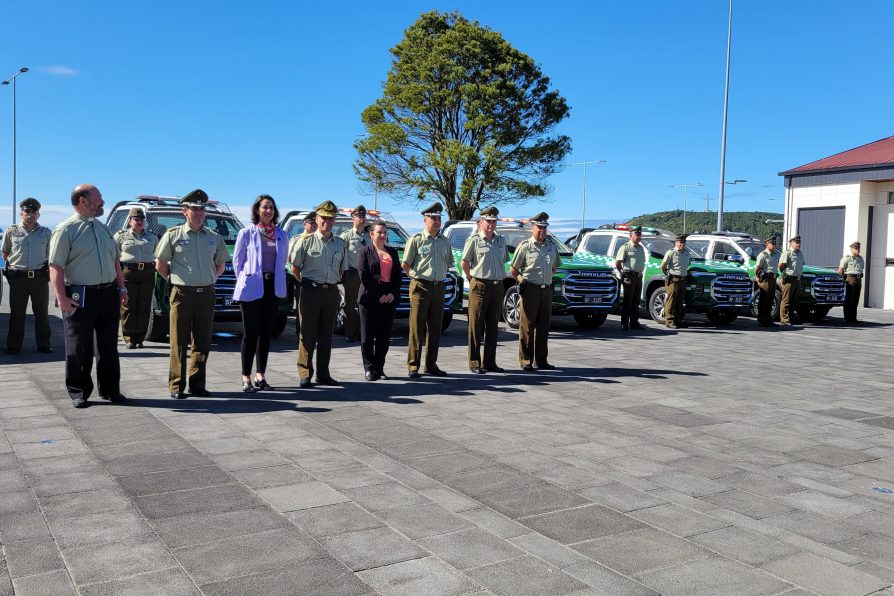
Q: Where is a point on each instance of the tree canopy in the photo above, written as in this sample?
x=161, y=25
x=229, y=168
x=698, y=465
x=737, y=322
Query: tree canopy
x=750, y=222
x=464, y=118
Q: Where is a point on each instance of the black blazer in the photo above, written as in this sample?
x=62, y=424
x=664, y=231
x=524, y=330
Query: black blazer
x=371, y=286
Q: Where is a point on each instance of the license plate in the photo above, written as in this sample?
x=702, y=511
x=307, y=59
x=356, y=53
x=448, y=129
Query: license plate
x=228, y=301
x=592, y=299
x=736, y=299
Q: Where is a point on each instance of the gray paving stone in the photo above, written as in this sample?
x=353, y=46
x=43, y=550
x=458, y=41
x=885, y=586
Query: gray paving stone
x=125, y=527
x=620, y=496
x=427, y=519
x=470, y=548
x=641, y=551
x=38, y=468
x=84, y=503
x=366, y=549
x=379, y=497
x=765, y=485
x=60, y=448
x=449, y=499
x=489, y=480
x=71, y=483
x=606, y=581
x=824, y=577
x=748, y=547
x=582, y=523
x=54, y=583
x=17, y=527
x=418, y=576
x=199, y=500
x=352, y=477
x=170, y=582
x=824, y=504
x=549, y=550
x=162, y=482
x=199, y=528
x=712, y=577
x=745, y=503
x=531, y=500
x=688, y=484
x=303, y=495
x=451, y=464
x=878, y=549
x=495, y=523
x=322, y=459
x=334, y=519
x=32, y=557
x=816, y=527
x=18, y=501
x=242, y=460
x=525, y=576
x=319, y=576
x=156, y=462
x=678, y=520
x=102, y=562
x=247, y=554
x=833, y=456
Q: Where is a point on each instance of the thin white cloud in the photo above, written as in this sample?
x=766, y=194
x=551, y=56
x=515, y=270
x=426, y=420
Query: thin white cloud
x=59, y=70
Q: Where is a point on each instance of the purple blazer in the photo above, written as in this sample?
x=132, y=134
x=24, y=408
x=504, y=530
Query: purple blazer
x=247, y=264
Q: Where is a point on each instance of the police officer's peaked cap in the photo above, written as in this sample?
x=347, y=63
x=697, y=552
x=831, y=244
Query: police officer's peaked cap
x=311, y=216
x=682, y=237
x=327, y=209
x=435, y=209
x=197, y=198
x=795, y=239
x=359, y=211
x=136, y=212
x=636, y=229
x=771, y=239
x=541, y=219
x=490, y=213
x=855, y=245
x=30, y=203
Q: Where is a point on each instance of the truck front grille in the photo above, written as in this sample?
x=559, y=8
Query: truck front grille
x=731, y=290
x=828, y=289
x=590, y=289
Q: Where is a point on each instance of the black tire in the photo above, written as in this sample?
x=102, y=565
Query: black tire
x=590, y=320
x=339, y=328
x=657, y=302
x=512, y=307
x=722, y=317
x=774, y=310
x=157, y=329
x=446, y=319
x=279, y=324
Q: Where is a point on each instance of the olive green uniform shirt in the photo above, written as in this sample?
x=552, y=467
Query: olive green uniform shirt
x=852, y=265
x=319, y=259
x=677, y=261
x=429, y=257
x=632, y=256
x=793, y=261
x=487, y=258
x=193, y=256
x=536, y=263
x=86, y=251
x=26, y=250
x=355, y=242
x=136, y=248
x=767, y=262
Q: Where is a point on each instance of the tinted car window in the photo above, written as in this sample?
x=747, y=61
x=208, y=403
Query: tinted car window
x=598, y=245
x=723, y=250
x=699, y=246
x=117, y=220
x=514, y=236
x=159, y=222
x=458, y=237
x=752, y=249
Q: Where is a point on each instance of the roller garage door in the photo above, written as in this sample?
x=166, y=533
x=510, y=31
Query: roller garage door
x=822, y=235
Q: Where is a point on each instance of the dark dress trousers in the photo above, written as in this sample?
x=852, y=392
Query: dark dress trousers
x=376, y=318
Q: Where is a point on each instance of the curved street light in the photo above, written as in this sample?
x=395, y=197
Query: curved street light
x=12, y=80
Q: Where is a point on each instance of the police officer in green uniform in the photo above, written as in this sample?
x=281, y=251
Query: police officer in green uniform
x=851, y=269
x=137, y=247
x=25, y=251
x=355, y=238
x=86, y=278
x=310, y=226
x=765, y=271
x=427, y=258
x=318, y=261
x=191, y=257
x=533, y=265
x=631, y=262
x=484, y=264
x=791, y=264
x=675, y=266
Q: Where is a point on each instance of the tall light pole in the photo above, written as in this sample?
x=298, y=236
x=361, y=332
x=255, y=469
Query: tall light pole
x=685, y=188
x=583, y=210
x=729, y=37
x=12, y=80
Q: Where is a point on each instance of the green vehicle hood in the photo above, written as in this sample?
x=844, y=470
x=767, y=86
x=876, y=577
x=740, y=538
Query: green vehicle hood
x=586, y=260
x=715, y=266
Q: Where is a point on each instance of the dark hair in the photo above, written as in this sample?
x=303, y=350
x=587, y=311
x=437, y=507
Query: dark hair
x=80, y=192
x=377, y=224
x=256, y=208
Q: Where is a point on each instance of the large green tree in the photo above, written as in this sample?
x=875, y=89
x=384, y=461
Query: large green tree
x=464, y=118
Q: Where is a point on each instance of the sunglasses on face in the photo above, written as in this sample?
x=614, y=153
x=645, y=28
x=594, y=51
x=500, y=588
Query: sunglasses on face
x=138, y=218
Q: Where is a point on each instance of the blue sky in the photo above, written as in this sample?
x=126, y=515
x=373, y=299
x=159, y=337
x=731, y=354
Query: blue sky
x=246, y=98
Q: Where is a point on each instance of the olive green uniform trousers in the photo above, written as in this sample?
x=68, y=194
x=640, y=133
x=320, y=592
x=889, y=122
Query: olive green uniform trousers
x=426, y=314
x=485, y=302
x=317, y=308
x=140, y=284
x=192, y=322
x=533, y=330
x=789, y=300
x=673, y=308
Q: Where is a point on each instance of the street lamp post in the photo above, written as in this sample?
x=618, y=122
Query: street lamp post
x=729, y=37
x=12, y=80
x=685, y=188
x=583, y=211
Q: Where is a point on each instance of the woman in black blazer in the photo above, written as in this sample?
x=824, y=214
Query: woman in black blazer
x=380, y=279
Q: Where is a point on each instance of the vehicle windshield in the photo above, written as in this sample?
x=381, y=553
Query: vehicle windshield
x=226, y=227
x=514, y=236
x=396, y=237
x=752, y=248
x=659, y=247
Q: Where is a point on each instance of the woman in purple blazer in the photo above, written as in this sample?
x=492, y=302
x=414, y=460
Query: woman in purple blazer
x=380, y=279
x=259, y=262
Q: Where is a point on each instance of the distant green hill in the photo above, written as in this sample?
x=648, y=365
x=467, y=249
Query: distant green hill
x=750, y=222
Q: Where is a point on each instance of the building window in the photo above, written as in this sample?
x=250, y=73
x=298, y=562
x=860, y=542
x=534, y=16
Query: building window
x=891, y=197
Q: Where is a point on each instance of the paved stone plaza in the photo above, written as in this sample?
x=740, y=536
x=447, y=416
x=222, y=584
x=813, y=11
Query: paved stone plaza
x=706, y=461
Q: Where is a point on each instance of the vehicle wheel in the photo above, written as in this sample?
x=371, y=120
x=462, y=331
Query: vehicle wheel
x=722, y=317
x=446, y=319
x=339, y=328
x=512, y=307
x=774, y=310
x=590, y=320
x=157, y=329
x=657, y=302
x=279, y=324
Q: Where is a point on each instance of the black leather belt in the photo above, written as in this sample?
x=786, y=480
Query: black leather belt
x=100, y=286
x=195, y=289
x=138, y=266
x=310, y=284
x=488, y=281
x=29, y=273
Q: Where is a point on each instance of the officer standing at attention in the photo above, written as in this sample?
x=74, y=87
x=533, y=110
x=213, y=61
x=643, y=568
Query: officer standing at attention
x=310, y=226
x=25, y=251
x=355, y=238
x=675, y=265
x=484, y=265
x=765, y=269
x=791, y=264
x=318, y=261
x=191, y=257
x=137, y=248
x=89, y=288
x=426, y=260
x=631, y=262
x=533, y=264
x=851, y=268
